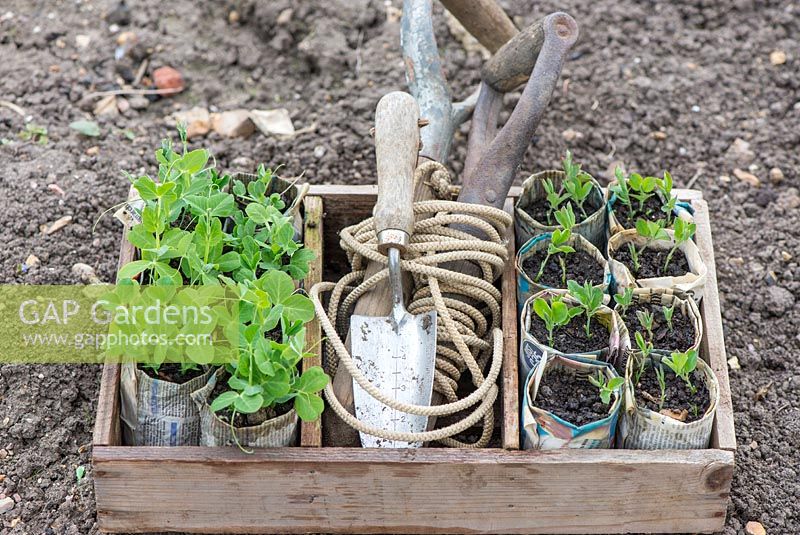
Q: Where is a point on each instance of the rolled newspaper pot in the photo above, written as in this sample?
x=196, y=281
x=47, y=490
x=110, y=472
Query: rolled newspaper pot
x=531, y=350
x=543, y=430
x=593, y=227
x=155, y=412
x=525, y=283
x=645, y=429
x=273, y=433
x=691, y=283
x=662, y=297
x=683, y=210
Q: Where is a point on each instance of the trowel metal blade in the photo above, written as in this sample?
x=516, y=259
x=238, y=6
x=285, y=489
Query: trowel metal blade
x=399, y=359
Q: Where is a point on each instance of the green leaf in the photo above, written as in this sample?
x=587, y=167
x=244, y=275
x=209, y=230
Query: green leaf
x=87, y=128
x=298, y=307
x=222, y=205
x=542, y=308
x=194, y=161
x=228, y=262
x=257, y=213
x=308, y=407
x=131, y=269
x=615, y=383
x=248, y=404
x=224, y=400
x=80, y=473
x=312, y=381
x=278, y=285
x=146, y=188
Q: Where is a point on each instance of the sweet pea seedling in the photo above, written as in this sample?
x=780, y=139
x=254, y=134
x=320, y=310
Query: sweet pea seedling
x=606, y=386
x=683, y=364
x=646, y=318
x=554, y=314
x=662, y=385
x=554, y=198
x=624, y=299
x=668, y=312
x=620, y=189
x=683, y=233
x=558, y=242
x=589, y=297
x=577, y=183
x=650, y=231
x=665, y=188
x=642, y=188
x=645, y=347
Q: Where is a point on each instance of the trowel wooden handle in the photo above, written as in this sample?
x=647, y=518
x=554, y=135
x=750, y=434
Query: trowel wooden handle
x=396, y=150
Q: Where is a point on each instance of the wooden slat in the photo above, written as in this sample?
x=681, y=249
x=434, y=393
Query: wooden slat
x=429, y=490
x=510, y=387
x=107, y=431
x=311, y=432
x=713, y=343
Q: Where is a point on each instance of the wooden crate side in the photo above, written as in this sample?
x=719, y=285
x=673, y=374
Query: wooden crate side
x=510, y=381
x=311, y=432
x=338, y=490
x=713, y=343
x=107, y=430
x=337, y=192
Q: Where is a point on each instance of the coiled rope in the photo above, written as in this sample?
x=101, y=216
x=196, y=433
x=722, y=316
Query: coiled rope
x=468, y=308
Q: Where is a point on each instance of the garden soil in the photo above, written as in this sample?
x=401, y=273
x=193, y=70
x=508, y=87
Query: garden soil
x=697, y=87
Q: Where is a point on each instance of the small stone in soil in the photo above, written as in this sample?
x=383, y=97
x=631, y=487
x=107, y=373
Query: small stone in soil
x=6, y=504
x=755, y=528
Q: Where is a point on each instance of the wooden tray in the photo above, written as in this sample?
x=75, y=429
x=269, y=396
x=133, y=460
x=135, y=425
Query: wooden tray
x=314, y=489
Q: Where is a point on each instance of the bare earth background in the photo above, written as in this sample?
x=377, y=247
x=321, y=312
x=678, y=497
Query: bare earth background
x=652, y=85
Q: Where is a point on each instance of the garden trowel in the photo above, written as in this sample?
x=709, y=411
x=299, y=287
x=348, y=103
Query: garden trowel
x=396, y=353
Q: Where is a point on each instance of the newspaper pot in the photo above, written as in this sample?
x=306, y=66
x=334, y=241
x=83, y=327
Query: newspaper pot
x=531, y=350
x=593, y=227
x=525, y=284
x=290, y=192
x=155, y=412
x=682, y=210
x=543, y=430
x=691, y=283
x=663, y=297
x=644, y=429
x=273, y=433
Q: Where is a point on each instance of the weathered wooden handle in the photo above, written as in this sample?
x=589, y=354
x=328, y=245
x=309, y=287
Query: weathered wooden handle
x=511, y=66
x=484, y=19
x=396, y=151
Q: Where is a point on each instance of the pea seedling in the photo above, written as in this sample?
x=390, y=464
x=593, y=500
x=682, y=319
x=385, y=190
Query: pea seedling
x=668, y=312
x=634, y=257
x=646, y=318
x=650, y=231
x=665, y=188
x=683, y=232
x=683, y=364
x=589, y=297
x=606, y=386
x=662, y=385
x=624, y=299
x=554, y=314
x=554, y=198
x=558, y=242
x=642, y=188
x=577, y=183
x=620, y=189
x=645, y=347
